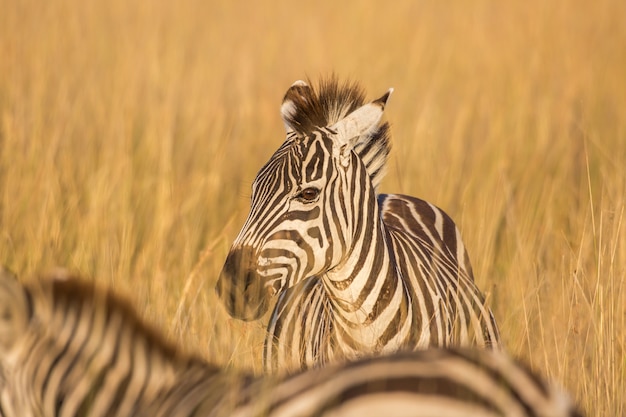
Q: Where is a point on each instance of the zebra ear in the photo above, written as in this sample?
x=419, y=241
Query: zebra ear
x=359, y=122
x=14, y=310
x=298, y=92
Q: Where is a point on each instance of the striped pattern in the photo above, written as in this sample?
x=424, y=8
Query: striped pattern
x=456, y=382
x=356, y=272
x=69, y=349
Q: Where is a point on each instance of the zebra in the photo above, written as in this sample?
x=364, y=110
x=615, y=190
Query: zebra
x=354, y=271
x=69, y=348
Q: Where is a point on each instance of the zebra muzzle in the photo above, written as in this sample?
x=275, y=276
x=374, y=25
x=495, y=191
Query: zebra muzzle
x=241, y=288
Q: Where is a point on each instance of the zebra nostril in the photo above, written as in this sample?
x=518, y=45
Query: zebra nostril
x=250, y=279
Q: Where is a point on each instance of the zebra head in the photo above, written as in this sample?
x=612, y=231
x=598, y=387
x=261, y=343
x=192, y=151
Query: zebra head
x=309, y=199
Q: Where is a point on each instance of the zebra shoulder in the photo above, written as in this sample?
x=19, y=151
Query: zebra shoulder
x=411, y=213
x=426, y=225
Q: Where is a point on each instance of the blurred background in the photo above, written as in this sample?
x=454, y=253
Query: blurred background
x=131, y=132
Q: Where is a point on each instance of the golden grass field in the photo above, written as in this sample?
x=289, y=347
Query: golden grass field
x=130, y=133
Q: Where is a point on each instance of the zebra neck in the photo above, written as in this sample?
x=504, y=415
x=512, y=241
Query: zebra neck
x=366, y=292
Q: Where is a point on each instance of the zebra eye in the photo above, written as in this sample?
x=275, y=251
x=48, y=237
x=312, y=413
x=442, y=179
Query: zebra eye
x=308, y=194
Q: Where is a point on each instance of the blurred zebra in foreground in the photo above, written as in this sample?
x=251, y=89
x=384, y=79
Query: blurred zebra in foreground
x=69, y=349
x=356, y=272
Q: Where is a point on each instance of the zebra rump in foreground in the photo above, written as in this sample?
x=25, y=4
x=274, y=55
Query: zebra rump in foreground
x=355, y=272
x=68, y=348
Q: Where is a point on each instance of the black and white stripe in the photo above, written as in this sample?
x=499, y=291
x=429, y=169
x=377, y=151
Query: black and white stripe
x=379, y=272
x=68, y=349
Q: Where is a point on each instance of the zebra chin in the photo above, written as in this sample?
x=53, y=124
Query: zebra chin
x=241, y=289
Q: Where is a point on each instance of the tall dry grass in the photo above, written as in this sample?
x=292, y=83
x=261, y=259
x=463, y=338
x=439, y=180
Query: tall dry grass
x=130, y=133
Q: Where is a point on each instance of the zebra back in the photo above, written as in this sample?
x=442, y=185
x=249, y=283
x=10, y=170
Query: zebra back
x=454, y=382
x=75, y=349
x=78, y=350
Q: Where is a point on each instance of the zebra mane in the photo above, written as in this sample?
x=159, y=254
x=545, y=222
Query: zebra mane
x=307, y=108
